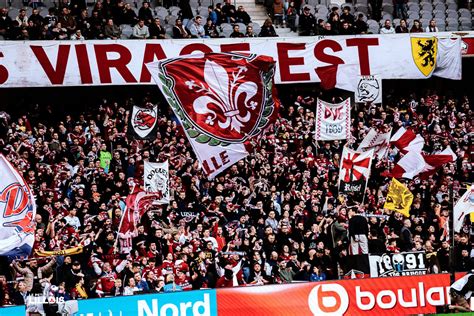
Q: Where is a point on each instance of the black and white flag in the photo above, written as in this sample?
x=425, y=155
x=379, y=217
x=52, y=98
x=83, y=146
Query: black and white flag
x=156, y=178
x=369, y=89
x=143, y=122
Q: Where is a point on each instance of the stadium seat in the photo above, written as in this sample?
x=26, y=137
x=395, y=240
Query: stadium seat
x=127, y=31
x=13, y=13
x=413, y=14
x=171, y=19
x=362, y=8
x=427, y=7
x=453, y=28
x=424, y=22
x=256, y=27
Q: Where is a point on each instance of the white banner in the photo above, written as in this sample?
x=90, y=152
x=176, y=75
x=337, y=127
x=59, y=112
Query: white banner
x=333, y=121
x=397, y=264
x=17, y=209
x=156, y=179
x=337, y=61
x=369, y=89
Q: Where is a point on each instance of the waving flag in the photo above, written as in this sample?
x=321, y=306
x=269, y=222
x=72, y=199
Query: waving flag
x=463, y=207
x=18, y=209
x=143, y=123
x=435, y=161
x=376, y=140
x=399, y=198
x=354, y=170
x=406, y=140
x=415, y=163
x=222, y=100
x=408, y=166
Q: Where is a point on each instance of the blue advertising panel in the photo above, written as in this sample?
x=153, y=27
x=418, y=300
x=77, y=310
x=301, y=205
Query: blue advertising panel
x=13, y=311
x=192, y=303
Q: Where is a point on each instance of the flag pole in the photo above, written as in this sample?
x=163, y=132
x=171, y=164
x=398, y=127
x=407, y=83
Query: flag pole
x=452, y=260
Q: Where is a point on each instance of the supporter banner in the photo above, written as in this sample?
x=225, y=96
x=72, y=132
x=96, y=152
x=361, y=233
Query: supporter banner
x=17, y=209
x=354, y=170
x=334, y=61
x=192, y=303
x=374, y=296
x=369, y=89
x=221, y=100
x=143, y=122
x=157, y=180
x=333, y=121
x=397, y=264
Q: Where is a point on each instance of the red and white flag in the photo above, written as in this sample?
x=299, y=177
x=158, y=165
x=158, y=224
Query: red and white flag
x=333, y=121
x=435, y=161
x=17, y=209
x=354, y=170
x=222, y=100
x=406, y=140
x=463, y=207
x=422, y=165
x=376, y=140
x=408, y=166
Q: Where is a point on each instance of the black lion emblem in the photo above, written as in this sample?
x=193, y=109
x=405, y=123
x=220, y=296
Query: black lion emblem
x=427, y=52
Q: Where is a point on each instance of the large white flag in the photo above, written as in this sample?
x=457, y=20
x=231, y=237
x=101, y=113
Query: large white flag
x=376, y=140
x=222, y=100
x=463, y=207
x=17, y=209
x=333, y=121
x=156, y=179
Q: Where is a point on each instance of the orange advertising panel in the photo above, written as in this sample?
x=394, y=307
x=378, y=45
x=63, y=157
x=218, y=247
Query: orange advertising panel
x=382, y=296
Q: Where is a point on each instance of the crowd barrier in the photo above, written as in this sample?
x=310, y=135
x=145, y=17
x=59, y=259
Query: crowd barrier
x=373, y=296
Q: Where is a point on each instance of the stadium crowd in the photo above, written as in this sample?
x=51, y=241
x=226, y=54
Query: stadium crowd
x=119, y=20
x=275, y=217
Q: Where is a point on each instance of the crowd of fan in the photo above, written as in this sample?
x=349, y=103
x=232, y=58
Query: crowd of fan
x=274, y=217
x=73, y=22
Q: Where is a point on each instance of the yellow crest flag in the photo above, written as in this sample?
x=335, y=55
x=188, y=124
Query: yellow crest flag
x=399, y=198
x=424, y=51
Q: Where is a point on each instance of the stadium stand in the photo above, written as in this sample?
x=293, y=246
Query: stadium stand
x=447, y=16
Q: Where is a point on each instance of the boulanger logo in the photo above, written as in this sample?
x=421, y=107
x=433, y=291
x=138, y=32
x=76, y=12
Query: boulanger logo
x=328, y=299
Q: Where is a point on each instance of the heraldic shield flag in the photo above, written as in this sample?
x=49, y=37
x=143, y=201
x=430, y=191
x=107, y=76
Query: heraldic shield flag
x=354, y=170
x=18, y=209
x=143, y=123
x=425, y=51
x=222, y=100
